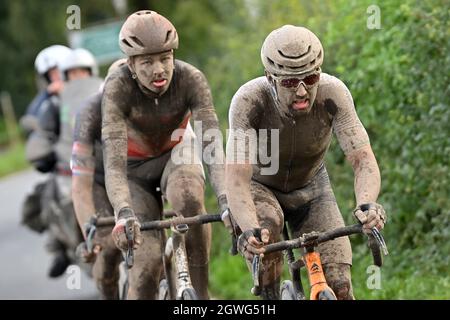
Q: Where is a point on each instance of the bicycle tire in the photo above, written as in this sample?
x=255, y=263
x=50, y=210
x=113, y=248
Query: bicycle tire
x=287, y=291
x=326, y=295
x=163, y=290
x=189, y=294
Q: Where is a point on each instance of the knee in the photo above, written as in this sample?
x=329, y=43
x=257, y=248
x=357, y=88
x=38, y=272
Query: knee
x=342, y=289
x=185, y=191
x=339, y=279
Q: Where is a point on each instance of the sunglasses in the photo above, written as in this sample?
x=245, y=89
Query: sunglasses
x=295, y=82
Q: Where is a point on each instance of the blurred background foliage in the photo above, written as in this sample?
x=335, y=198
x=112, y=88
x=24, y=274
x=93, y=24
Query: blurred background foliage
x=399, y=79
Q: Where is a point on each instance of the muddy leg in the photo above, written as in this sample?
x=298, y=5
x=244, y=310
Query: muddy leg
x=339, y=279
x=270, y=216
x=145, y=273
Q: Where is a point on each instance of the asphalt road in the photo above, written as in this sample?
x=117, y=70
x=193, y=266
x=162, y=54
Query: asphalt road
x=23, y=260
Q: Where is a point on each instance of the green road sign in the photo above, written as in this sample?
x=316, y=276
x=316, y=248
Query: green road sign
x=101, y=40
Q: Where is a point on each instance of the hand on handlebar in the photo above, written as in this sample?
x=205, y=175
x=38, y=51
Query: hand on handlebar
x=251, y=242
x=127, y=223
x=370, y=215
x=85, y=254
x=88, y=250
x=373, y=218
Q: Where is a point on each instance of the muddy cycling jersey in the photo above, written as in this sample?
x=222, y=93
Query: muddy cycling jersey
x=87, y=157
x=303, y=140
x=137, y=124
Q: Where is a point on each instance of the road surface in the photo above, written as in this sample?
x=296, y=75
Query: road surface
x=24, y=262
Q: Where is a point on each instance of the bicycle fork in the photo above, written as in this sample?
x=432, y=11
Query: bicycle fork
x=176, y=247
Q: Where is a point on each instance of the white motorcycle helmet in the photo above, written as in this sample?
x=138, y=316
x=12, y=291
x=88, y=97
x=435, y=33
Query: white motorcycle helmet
x=79, y=58
x=50, y=58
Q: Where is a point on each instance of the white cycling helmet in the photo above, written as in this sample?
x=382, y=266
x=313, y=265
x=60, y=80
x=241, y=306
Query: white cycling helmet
x=50, y=57
x=79, y=58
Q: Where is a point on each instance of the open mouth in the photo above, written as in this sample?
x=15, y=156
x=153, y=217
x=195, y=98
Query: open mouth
x=159, y=83
x=300, y=104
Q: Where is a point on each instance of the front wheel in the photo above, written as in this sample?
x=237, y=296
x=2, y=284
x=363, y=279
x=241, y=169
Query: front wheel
x=287, y=291
x=189, y=294
x=326, y=295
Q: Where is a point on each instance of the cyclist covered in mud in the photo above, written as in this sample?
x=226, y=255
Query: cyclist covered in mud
x=144, y=103
x=305, y=105
x=89, y=194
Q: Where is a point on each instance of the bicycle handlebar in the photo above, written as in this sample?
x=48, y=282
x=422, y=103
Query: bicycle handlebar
x=165, y=224
x=316, y=238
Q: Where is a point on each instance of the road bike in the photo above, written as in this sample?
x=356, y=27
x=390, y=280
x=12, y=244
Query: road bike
x=176, y=282
x=310, y=259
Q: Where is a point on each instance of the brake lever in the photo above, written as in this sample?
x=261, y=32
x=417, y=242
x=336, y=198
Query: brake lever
x=380, y=240
x=256, y=290
x=90, y=229
x=90, y=238
x=129, y=233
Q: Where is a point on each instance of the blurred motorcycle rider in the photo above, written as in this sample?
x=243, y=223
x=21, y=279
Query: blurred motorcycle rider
x=42, y=133
x=48, y=76
x=79, y=71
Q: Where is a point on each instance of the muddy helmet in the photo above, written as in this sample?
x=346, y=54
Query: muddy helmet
x=147, y=32
x=291, y=50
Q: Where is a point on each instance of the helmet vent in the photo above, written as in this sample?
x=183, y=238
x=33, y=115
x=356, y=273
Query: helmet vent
x=143, y=12
x=124, y=41
x=168, y=36
x=270, y=61
x=137, y=41
x=295, y=57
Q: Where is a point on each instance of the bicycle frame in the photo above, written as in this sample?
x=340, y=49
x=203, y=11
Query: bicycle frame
x=317, y=280
x=176, y=247
x=310, y=259
x=177, y=272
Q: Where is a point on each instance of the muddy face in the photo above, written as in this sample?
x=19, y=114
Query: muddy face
x=297, y=100
x=154, y=71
